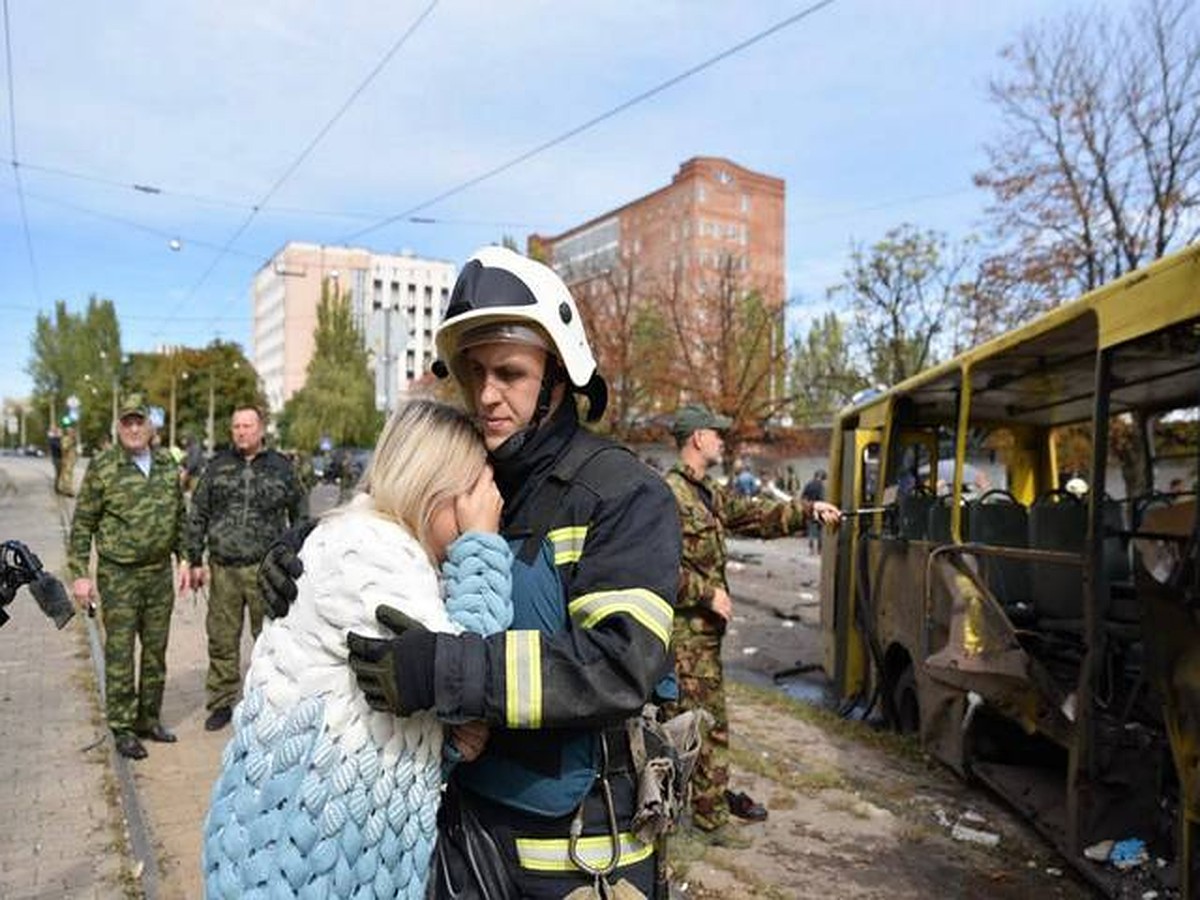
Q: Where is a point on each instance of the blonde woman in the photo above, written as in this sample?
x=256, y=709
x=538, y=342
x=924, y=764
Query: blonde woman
x=320, y=795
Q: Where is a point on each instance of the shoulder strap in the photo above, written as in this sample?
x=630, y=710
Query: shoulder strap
x=587, y=460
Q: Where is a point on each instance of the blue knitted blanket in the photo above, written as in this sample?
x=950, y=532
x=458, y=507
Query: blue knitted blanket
x=319, y=796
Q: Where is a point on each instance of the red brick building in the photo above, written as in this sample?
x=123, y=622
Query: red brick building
x=712, y=208
x=715, y=223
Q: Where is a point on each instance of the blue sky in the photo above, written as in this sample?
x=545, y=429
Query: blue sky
x=873, y=111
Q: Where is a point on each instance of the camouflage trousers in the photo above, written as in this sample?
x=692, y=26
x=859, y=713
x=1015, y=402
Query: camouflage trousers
x=696, y=640
x=64, y=478
x=233, y=589
x=135, y=607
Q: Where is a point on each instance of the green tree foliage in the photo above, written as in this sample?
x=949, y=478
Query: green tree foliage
x=219, y=373
x=338, y=397
x=76, y=355
x=627, y=336
x=907, y=295
x=1095, y=170
x=823, y=378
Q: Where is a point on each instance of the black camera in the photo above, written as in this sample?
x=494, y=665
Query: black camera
x=20, y=566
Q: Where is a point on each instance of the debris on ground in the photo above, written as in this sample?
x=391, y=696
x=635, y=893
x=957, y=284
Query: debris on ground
x=964, y=828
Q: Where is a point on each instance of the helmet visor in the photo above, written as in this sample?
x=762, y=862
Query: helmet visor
x=505, y=333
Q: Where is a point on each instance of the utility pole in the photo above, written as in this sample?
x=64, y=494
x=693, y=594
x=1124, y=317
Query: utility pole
x=389, y=357
x=171, y=439
x=211, y=403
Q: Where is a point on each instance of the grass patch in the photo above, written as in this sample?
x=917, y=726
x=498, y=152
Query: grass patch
x=785, y=773
x=896, y=745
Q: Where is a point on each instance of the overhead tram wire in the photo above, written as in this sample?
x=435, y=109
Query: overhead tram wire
x=591, y=123
x=207, y=200
x=16, y=165
x=299, y=160
x=137, y=226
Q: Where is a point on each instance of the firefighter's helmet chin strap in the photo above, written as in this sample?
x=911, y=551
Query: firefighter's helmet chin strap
x=553, y=374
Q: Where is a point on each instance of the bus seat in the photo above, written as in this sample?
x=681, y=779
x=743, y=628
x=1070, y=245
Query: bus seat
x=1123, y=605
x=914, y=515
x=939, y=519
x=1058, y=521
x=999, y=518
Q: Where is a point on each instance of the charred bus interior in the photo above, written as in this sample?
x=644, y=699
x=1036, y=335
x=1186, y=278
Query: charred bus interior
x=1028, y=598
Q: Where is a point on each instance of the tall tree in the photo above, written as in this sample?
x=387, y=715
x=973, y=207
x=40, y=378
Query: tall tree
x=627, y=337
x=76, y=355
x=338, y=397
x=205, y=382
x=823, y=378
x=729, y=346
x=907, y=294
x=1096, y=169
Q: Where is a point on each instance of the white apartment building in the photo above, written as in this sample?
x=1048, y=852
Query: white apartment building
x=397, y=301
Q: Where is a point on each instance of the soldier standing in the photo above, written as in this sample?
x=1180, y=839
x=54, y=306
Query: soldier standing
x=703, y=608
x=65, y=479
x=131, y=507
x=247, y=496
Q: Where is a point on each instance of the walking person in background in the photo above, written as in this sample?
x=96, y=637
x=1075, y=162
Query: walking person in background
x=814, y=492
x=131, y=508
x=54, y=443
x=704, y=608
x=193, y=463
x=65, y=480
x=428, y=500
x=247, y=496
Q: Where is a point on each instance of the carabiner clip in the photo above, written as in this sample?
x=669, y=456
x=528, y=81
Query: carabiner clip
x=613, y=833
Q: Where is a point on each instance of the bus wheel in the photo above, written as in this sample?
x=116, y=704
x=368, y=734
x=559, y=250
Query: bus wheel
x=906, y=707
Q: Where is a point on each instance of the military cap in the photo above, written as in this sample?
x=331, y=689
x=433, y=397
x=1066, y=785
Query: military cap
x=695, y=416
x=133, y=405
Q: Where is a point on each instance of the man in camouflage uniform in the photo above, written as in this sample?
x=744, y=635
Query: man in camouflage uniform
x=703, y=608
x=64, y=481
x=247, y=496
x=131, y=507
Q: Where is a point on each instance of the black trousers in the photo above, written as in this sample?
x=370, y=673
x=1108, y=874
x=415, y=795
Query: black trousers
x=478, y=856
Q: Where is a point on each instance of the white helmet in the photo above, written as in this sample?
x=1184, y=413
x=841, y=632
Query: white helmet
x=501, y=295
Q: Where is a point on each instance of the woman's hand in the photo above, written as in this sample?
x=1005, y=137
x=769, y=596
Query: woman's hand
x=479, y=508
x=469, y=739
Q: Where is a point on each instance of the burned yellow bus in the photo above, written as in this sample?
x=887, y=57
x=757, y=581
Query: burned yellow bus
x=1021, y=584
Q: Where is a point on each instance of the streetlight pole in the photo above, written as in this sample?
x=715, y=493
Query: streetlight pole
x=171, y=432
x=211, y=438
x=211, y=434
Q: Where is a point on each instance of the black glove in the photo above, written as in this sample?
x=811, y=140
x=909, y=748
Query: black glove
x=280, y=568
x=395, y=674
x=52, y=597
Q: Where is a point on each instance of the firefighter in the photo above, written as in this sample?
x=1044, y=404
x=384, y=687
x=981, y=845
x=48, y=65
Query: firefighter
x=548, y=806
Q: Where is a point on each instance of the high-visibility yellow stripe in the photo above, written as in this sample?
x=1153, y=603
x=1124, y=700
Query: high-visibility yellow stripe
x=568, y=543
x=523, y=679
x=646, y=607
x=553, y=854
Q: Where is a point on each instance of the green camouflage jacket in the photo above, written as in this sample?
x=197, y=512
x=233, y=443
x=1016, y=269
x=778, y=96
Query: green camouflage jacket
x=134, y=519
x=241, y=506
x=706, y=511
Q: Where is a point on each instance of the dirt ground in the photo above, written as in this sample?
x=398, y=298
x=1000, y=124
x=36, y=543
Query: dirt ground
x=854, y=813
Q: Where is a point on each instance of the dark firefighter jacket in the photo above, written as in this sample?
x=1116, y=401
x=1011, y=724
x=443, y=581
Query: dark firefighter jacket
x=592, y=611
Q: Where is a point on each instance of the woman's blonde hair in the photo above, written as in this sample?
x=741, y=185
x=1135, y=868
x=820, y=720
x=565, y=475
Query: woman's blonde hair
x=428, y=452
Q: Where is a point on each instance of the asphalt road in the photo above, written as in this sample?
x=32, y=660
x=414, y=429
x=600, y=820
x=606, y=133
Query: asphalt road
x=776, y=615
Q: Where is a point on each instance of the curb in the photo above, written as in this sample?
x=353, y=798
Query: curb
x=141, y=845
